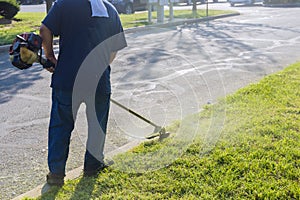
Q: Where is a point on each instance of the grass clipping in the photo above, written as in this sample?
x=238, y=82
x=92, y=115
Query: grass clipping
x=256, y=157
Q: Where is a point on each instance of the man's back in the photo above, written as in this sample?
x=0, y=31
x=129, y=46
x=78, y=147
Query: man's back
x=79, y=34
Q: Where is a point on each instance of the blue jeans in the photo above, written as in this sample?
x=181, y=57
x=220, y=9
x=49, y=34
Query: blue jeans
x=62, y=124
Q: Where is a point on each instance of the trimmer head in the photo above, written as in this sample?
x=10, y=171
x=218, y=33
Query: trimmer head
x=159, y=132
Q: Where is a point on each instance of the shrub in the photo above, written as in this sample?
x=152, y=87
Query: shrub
x=9, y=8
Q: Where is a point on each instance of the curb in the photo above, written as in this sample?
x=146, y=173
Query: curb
x=5, y=48
x=177, y=23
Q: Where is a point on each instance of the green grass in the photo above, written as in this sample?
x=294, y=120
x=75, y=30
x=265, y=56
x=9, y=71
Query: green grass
x=30, y=22
x=24, y=22
x=257, y=156
x=141, y=19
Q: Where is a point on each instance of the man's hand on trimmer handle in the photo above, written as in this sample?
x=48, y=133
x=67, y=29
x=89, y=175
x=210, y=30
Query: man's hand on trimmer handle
x=48, y=64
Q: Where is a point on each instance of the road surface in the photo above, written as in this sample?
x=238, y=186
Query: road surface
x=164, y=74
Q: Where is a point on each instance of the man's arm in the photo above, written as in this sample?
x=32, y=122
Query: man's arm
x=47, y=37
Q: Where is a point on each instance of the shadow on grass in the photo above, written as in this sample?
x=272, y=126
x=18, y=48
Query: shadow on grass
x=47, y=189
x=84, y=188
x=5, y=21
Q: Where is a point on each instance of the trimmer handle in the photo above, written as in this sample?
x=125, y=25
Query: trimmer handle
x=46, y=63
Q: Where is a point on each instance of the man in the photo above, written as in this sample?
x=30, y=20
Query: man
x=82, y=26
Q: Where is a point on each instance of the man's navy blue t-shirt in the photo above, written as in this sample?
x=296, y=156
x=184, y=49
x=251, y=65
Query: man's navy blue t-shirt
x=79, y=34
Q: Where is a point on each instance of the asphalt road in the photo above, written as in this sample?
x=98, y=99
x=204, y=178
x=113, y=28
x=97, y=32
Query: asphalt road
x=164, y=74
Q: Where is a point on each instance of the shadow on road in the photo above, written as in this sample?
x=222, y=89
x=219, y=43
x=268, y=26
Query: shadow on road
x=13, y=80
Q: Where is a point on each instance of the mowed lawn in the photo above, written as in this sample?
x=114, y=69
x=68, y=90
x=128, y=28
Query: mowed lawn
x=256, y=156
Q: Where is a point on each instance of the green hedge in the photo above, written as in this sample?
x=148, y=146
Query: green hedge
x=9, y=8
x=281, y=2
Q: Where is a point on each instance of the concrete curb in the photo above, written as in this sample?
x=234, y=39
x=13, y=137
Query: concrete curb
x=177, y=23
x=5, y=48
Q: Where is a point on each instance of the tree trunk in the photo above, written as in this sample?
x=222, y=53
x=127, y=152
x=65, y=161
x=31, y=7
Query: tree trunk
x=194, y=8
x=48, y=5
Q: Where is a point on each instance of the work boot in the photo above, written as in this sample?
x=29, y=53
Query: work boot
x=55, y=179
x=94, y=172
